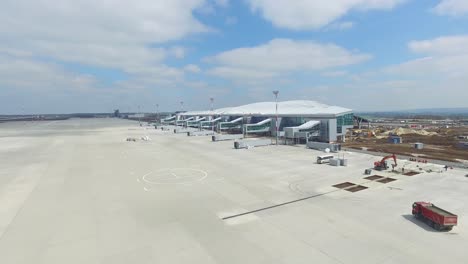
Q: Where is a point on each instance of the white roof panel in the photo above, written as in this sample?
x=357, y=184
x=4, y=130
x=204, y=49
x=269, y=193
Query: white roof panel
x=287, y=108
x=219, y=111
x=309, y=124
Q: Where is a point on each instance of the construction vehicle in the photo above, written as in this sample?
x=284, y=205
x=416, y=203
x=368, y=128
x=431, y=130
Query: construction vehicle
x=382, y=165
x=434, y=216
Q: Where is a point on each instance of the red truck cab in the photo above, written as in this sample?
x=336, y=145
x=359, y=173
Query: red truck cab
x=434, y=216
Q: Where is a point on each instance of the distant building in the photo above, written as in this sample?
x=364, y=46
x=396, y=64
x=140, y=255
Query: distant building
x=116, y=113
x=136, y=116
x=323, y=122
x=395, y=139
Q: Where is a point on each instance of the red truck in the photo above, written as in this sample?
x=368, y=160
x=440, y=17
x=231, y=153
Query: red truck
x=434, y=216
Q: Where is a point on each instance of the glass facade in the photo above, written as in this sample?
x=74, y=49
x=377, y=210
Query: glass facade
x=258, y=127
x=344, y=120
x=229, y=125
x=291, y=122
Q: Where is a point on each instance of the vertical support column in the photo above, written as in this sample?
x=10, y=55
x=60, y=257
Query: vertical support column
x=276, y=123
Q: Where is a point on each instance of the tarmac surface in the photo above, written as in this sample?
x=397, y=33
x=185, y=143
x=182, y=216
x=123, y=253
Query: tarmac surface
x=76, y=191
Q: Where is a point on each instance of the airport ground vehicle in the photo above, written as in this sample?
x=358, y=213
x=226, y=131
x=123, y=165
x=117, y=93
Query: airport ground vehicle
x=434, y=216
x=324, y=159
x=382, y=165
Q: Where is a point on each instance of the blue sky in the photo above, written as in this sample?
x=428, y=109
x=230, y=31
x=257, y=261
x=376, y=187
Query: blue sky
x=96, y=55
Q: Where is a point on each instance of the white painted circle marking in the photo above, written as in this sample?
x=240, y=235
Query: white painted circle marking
x=175, y=176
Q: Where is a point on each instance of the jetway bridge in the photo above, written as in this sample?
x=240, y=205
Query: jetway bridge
x=260, y=127
x=235, y=124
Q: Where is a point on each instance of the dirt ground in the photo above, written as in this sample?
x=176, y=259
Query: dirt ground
x=441, y=147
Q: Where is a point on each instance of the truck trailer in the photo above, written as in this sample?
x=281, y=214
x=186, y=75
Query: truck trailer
x=434, y=216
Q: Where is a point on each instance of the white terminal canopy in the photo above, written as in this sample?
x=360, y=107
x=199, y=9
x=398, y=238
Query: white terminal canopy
x=295, y=108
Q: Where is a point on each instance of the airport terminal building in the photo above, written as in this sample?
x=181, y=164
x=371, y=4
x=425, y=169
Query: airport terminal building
x=296, y=119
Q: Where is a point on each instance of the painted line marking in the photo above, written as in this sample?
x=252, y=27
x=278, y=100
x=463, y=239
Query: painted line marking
x=278, y=205
x=147, y=174
x=202, y=175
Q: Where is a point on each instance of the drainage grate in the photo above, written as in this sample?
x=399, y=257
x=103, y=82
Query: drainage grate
x=344, y=185
x=411, y=173
x=374, y=177
x=386, y=180
x=356, y=188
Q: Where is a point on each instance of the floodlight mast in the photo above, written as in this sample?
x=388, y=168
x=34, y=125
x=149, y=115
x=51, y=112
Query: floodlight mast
x=212, y=116
x=157, y=114
x=139, y=117
x=276, y=92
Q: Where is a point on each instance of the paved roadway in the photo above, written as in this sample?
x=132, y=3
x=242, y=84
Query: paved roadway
x=76, y=191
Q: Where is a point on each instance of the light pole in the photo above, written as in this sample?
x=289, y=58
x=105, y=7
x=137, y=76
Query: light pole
x=157, y=113
x=276, y=123
x=212, y=116
x=139, y=115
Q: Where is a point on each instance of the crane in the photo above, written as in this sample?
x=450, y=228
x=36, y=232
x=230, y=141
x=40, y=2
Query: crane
x=382, y=165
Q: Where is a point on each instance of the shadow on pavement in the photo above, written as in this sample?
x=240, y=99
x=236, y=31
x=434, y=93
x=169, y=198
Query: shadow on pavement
x=419, y=223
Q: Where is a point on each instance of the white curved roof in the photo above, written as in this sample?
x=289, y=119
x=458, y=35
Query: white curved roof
x=309, y=124
x=215, y=112
x=287, y=108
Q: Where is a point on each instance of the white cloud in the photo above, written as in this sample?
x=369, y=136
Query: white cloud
x=27, y=74
x=445, y=58
x=178, y=52
x=101, y=21
x=437, y=79
x=340, y=26
x=334, y=73
x=127, y=36
x=301, y=15
x=282, y=56
x=452, y=7
x=222, y=3
x=192, y=68
x=231, y=20
x=441, y=46
x=440, y=67
x=240, y=74
x=118, y=34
